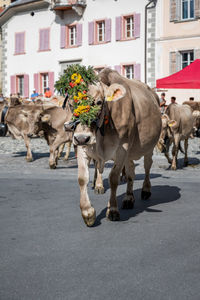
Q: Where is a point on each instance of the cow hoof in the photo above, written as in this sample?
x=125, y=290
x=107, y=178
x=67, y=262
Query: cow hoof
x=173, y=168
x=128, y=202
x=89, y=216
x=52, y=166
x=112, y=214
x=145, y=195
x=29, y=159
x=99, y=190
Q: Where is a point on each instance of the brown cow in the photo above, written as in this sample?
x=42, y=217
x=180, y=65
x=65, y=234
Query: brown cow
x=177, y=125
x=132, y=132
x=51, y=123
x=195, y=106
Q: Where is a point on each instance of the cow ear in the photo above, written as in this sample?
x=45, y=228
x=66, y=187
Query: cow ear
x=172, y=124
x=115, y=92
x=196, y=113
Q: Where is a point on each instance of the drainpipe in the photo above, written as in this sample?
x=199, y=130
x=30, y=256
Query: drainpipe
x=147, y=6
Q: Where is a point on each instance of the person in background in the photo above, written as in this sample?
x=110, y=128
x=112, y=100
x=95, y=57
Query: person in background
x=173, y=100
x=1, y=97
x=34, y=95
x=162, y=103
x=191, y=99
x=48, y=93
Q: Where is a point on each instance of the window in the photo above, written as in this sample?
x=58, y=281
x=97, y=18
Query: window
x=44, y=36
x=72, y=35
x=187, y=9
x=187, y=57
x=44, y=82
x=100, y=31
x=19, y=43
x=65, y=64
x=20, y=85
x=129, y=27
x=129, y=71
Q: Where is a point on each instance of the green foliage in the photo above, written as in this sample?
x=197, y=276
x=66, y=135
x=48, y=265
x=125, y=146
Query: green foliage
x=75, y=82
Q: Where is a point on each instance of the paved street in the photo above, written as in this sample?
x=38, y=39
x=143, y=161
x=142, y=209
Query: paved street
x=47, y=252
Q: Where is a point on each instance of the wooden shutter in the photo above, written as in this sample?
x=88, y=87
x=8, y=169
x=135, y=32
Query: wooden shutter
x=172, y=62
x=197, y=9
x=26, y=86
x=108, y=30
x=118, y=28
x=137, y=25
x=36, y=82
x=197, y=54
x=62, y=36
x=79, y=34
x=44, y=39
x=91, y=33
x=51, y=81
x=19, y=43
x=175, y=10
x=178, y=61
x=118, y=68
x=13, y=84
x=137, y=71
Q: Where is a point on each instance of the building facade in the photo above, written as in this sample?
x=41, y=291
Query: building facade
x=177, y=40
x=40, y=38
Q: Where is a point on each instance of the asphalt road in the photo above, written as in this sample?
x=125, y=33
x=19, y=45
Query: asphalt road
x=47, y=252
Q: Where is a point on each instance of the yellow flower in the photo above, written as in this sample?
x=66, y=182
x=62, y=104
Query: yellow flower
x=80, y=95
x=76, y=77
x=81, y=109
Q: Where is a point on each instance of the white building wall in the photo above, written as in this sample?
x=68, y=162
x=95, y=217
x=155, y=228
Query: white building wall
x=110, y=54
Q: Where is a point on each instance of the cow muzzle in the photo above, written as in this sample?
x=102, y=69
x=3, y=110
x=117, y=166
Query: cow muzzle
x=81, y=139
x=71, y=126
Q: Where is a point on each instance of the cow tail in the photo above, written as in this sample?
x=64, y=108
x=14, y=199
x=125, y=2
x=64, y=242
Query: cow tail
x=180, y=148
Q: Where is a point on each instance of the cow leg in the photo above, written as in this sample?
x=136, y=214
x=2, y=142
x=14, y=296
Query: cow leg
x=175, y=152
x=146, y=188
x=87, y=211
x=60, y=150
x=128, y=201
x=68, y=148
x=98, y=181
x=186, y=151
x=112, y=210
x=29, y=156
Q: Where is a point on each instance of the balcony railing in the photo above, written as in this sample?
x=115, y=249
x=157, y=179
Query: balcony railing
x=68, y=4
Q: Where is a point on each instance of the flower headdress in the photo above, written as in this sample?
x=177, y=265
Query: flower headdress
x=75, y=81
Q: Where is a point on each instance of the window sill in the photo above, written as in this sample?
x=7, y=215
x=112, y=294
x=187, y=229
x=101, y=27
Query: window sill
x=99, y=43
x=44, y=50
x=184, y=21
x=20, y=53
x=127, y=39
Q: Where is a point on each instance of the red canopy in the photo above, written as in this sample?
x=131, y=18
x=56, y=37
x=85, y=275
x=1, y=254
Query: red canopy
x=188, y=78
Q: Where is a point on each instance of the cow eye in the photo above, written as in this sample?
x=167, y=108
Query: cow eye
x=99, y=102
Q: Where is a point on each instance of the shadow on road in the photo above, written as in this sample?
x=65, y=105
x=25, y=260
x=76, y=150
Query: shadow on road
x=137, y=177
x=36, y=156
x=160, y=194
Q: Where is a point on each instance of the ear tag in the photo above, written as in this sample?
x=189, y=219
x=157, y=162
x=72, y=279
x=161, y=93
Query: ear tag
x=109, y=98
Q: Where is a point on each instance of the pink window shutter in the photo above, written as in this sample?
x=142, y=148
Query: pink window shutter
x=36, y=82
x=17, y=45
x=26, y=86
x=79, y=34
x=13, y=84
x=137, y=71
x=108, y=30
x=118, y=69
x=91, y=33
x=51, y=82
x=62, y=36
x=21, y=43
x=46, y=39
x=118, y=27
x=137, y=25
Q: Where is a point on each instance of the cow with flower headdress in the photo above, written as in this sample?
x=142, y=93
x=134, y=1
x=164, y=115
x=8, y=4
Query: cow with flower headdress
x=122, y=123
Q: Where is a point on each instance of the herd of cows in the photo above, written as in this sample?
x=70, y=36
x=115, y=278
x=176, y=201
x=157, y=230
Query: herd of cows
x=126, y=129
